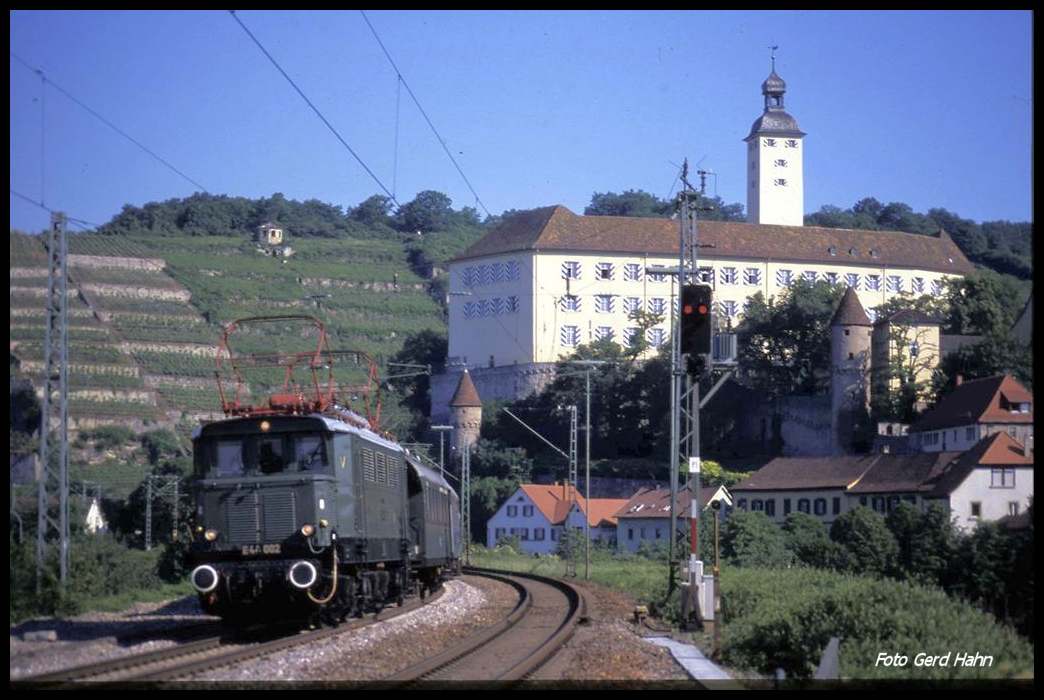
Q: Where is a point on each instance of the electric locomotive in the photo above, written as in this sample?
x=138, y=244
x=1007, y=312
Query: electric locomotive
x=304, y=509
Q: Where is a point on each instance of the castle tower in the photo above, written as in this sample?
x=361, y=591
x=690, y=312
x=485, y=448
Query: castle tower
x=851, y=334
x=465, y=413
x=775, y=172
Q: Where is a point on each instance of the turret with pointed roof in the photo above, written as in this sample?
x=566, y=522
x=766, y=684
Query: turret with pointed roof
x=465, y=414
x=850, y=343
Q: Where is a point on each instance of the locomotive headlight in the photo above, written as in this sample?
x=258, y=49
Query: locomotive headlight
x=308, y=530
x=324, y=522
x=210, y=535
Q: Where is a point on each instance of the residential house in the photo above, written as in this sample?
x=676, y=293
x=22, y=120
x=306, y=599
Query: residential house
x=992, y=480
x=974, y=410
x=646, y=517
x=537, y=514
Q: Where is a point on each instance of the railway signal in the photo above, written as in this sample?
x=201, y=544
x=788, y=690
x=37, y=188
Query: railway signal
x=696, y=327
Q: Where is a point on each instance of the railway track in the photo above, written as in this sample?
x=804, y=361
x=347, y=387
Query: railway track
x=545, y=617
x=199, y=656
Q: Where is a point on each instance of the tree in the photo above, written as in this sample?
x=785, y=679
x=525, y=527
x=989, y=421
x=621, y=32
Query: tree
x=630, y=203
x=413, y=394
x=750, y=539
x=784, y=342
x=429, y=211
x=372, y=211
x=933, y=547
x=991, y=357
x=867, y=544
x=809, y=541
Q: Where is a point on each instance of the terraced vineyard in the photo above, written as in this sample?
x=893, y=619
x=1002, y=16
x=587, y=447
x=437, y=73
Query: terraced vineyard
x=146, y=314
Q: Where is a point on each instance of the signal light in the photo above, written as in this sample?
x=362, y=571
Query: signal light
x=696, y=331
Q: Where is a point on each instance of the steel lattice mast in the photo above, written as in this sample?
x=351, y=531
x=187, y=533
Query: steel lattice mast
x=53, y=495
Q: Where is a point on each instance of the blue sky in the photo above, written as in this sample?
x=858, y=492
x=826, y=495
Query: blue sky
x=929, y=108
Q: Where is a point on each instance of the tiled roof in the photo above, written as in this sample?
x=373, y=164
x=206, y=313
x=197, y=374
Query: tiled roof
x=850, y=312
x=978, y=401
x=556, y=500
x=558, y=229
x=997, y=450
x=793, y=473
x=653, y=503
x=466, y=395
x=896, y=473
x=933, y=475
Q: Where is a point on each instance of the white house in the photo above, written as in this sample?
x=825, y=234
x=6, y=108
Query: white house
x=538, y=513
x=992, y=480
x=646, y=517
x=974, y=410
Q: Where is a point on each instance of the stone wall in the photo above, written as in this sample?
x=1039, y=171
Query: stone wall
x=492, y=384
x=136, y=292
x=104, y=261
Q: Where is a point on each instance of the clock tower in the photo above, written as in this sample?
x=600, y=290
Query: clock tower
x=775, y=177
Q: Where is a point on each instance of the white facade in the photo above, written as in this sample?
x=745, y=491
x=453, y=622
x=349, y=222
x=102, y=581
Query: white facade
x=966, y=436
x=825, y=504
x=520, y=517
x=530, y=306
x=990, y=493
x=775, y=179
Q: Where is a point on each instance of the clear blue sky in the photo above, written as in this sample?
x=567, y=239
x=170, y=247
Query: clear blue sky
x=538, y=108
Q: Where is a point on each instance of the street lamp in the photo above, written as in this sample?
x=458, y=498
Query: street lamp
x=587, y=365
x=441, y=430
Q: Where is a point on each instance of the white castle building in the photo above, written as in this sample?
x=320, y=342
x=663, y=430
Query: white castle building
x=548, y=280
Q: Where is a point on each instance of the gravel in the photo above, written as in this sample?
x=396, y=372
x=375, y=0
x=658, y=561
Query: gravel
x=94, y=636
x=606, y=648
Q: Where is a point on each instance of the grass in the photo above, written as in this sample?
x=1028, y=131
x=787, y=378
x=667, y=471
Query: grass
x=644, y=580
x=126, y=599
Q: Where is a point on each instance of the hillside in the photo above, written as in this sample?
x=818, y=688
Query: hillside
x=146, y=311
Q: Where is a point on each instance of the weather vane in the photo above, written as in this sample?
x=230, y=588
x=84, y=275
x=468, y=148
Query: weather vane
x=774, y=47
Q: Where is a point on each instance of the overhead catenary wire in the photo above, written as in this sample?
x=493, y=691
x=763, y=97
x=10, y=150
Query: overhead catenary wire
x=78, y=222
x=315, y=109
x=105, y=121
x=442, y=141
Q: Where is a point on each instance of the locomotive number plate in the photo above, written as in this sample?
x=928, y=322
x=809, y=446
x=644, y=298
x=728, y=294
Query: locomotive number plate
x=252, y=549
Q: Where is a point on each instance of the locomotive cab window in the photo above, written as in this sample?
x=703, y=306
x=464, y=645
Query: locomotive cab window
x=230, y=458
x=270, y=455
x=310, y=453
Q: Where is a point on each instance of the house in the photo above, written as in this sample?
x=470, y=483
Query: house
x=538, y=513
x=992, y=480
x=646, y=517
x=905, y=349
x=974, y=410
x=814, y=485
x=547, y=280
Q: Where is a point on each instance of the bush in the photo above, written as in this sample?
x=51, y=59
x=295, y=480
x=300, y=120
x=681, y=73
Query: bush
x=98, y=566
x=784, y=618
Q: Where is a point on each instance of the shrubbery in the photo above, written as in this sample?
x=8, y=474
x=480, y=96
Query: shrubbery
x=98, y=566
x=784, y=619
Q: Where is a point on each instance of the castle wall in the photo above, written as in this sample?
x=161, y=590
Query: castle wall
x=492, y=384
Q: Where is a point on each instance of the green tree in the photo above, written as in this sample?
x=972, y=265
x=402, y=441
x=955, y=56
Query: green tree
x=784, y=342
x=428, y=212
x=413, y=393
x=631, y=203
x=933, y=547
x=808, y=539
x=750, y=539
x=867, y=544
